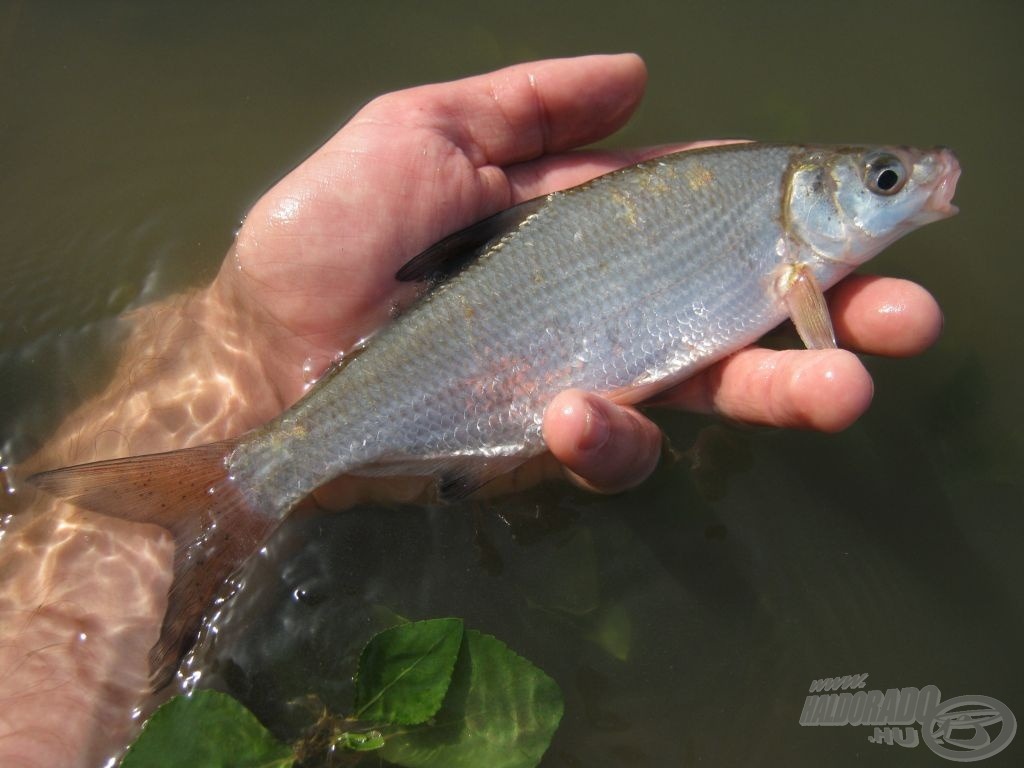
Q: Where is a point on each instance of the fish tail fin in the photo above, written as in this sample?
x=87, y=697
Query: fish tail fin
x=189, y=493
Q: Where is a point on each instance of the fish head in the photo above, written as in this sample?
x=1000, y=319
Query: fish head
x=848, y=204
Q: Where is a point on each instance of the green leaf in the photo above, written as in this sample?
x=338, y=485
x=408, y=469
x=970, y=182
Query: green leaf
x=207, y=729
x=404, y=672
x=501, y=711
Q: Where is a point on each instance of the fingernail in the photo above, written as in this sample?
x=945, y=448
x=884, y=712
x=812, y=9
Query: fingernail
x=596, y=430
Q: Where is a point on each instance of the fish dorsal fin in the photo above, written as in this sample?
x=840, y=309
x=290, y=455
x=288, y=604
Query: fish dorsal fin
x=457, y=251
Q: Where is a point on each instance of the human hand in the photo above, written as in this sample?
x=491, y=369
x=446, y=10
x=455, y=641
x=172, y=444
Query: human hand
x=315, y=258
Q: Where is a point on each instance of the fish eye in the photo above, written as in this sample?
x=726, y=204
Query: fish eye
x=884, y=174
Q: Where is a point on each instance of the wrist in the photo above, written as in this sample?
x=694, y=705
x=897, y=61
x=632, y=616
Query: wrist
x=190, y=372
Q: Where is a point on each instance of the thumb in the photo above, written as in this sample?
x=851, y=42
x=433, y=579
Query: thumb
x=603, y=446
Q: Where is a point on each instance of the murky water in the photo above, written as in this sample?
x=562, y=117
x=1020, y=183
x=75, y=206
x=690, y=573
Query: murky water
x=685, y=620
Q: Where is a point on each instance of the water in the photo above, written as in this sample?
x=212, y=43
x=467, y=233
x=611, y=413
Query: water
x=685, y=620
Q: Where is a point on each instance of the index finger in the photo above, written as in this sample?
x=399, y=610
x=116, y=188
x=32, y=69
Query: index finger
x=522, y=112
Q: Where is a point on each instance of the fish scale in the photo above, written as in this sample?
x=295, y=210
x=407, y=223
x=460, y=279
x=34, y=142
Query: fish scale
x=622, y=286
x=642, y=275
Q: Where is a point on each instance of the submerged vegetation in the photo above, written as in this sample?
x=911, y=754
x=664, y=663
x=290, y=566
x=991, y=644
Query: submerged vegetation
x=427, y=694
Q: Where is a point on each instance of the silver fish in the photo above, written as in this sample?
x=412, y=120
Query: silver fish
x=622, y=286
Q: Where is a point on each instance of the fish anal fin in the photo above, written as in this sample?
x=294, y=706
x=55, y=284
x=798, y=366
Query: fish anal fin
x=808, y=309
x=455, y=252
x=189, y=493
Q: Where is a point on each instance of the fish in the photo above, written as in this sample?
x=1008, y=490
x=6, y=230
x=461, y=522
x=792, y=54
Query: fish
x=622, y=286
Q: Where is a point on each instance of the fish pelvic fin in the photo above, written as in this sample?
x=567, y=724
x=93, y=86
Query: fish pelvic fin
x=456, y=478
x=189, y=493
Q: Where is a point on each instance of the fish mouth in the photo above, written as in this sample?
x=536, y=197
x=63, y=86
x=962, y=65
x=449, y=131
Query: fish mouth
x=940, y=201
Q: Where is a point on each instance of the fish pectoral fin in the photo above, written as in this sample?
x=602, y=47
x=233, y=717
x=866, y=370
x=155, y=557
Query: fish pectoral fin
x=808, y=309
x=455, y=252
